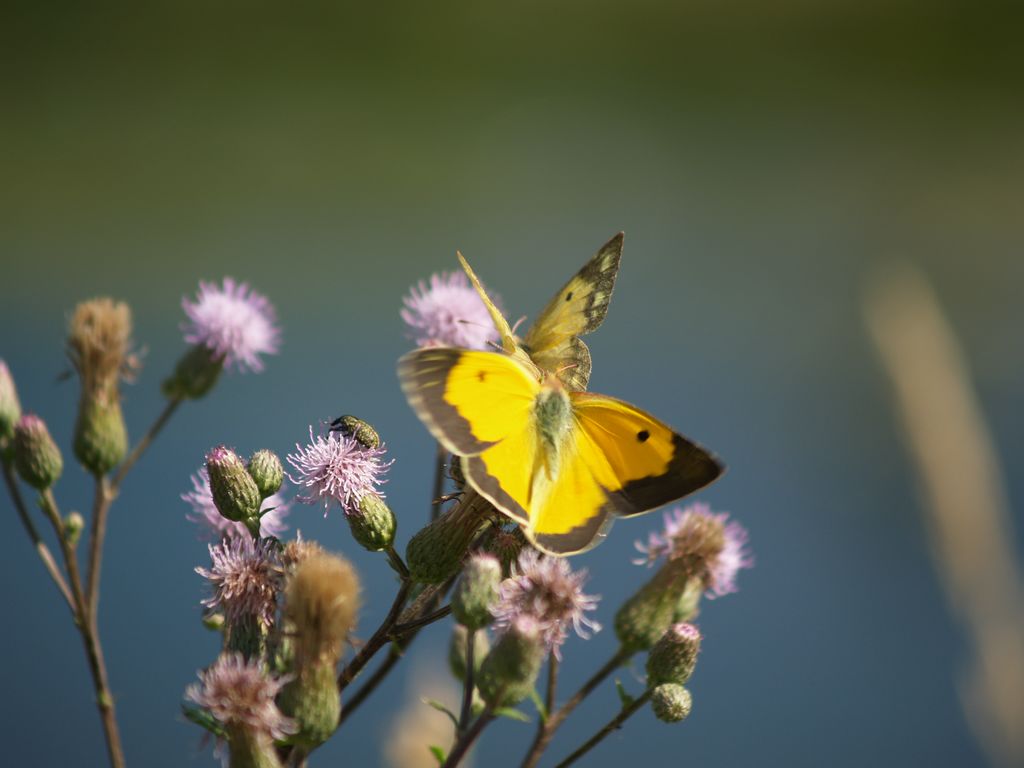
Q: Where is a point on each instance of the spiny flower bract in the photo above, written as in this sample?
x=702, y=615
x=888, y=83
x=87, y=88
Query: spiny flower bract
x=233, y=321
x=337, y=467
x=213, y=526
x=448, y=312
x=245, y=577
x=683, y=534
x=546, y=589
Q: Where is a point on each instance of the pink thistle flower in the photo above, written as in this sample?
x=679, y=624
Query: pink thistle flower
x=337, y=467
x=245, y=576
x=546, y=589
x=213, y=526
x=448, y=313
x=240, y=694
x=233, y=321
x=686, y=533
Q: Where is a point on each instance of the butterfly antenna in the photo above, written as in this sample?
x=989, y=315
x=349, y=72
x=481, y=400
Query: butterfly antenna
x=519, y=322
x=508, y=341
x=570, y=366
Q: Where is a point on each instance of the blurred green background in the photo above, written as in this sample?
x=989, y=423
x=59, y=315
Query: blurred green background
x=762, y=158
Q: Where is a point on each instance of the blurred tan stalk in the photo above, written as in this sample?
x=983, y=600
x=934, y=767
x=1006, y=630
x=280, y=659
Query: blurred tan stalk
x=966, y=509
x=418, y=726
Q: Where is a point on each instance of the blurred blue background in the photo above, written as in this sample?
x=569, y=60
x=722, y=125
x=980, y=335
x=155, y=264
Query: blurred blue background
x=762, y=160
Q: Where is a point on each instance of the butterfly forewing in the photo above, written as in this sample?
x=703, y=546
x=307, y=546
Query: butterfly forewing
x=578, y=308
x=469, y=400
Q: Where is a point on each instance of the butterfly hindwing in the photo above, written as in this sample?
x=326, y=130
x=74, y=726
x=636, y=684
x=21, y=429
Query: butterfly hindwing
x=469, y=400
x=651, y=463
x=578, y=308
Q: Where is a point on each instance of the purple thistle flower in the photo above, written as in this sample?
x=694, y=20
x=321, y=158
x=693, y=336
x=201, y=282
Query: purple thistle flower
x=239, y=693
x=448, y=313
x=685, y=532
x=337, y=467
x=213, y=526
x=233, y=321
x=245, y=576
x=546, y=589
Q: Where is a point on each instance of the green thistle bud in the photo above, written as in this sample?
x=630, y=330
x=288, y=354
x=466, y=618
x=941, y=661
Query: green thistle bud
x=74, y=523
x=671, y=702
x=476, y=591
x=195, y=374
x=457, y=650
x=265, y=468
x=373, y=526
x=674, y=656
x=100, y=440
x=36, y=456
x=251, y=749
x=436, y=552
x=358, y=429
x=234, y=491
x=688, y=607
x=506, y=546
x=10, y=407
x=312, y=700
x=509, y=671
x=647, y=615
x=214, y=621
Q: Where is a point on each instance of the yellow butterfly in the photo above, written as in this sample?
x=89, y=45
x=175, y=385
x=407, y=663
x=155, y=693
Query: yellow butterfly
x=560, y=462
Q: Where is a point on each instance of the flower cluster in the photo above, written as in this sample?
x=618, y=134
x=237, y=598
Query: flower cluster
x=337, y=467
x=238, y=692
x=548, y=590
x=245, y=576
x=448, y=312
x=233, y=321
x=686, y=531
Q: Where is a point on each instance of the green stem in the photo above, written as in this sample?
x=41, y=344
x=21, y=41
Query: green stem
x=49, y=563
x=546, y=729
x=614, y=724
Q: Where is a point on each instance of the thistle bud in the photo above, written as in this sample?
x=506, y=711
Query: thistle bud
x=235, y=493
x=373, y=526
x=671, y=702
x=506, y=545
x=10, y=407
x=674, y=656
x=265, y=468
x=73, y=525
x=508, y=673
x=647, y=615
x=36, y=456
x=195, y=374
x=100, y=439
x=436, y=552
x=458, y=646
x=312, y=701
x=298, y=551
x=688, y=607
x=321, y=601
x=358, y=429
x=476, y=592
x=213, y=621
